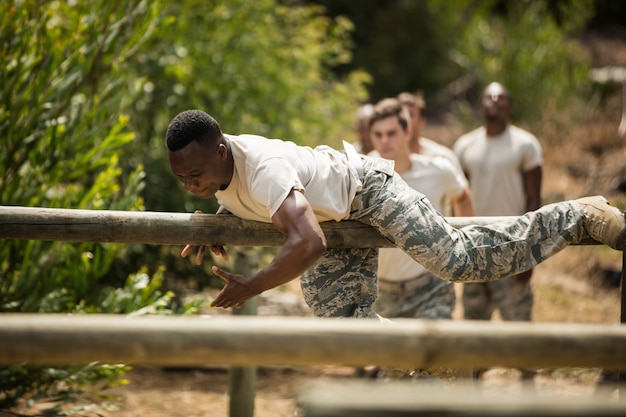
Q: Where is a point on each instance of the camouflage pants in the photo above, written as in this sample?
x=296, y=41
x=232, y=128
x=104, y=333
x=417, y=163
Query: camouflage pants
x=511, y=296
x=343, y=282
x=432, y=299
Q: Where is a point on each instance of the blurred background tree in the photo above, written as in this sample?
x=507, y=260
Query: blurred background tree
x=451, y=50
x=87, y=93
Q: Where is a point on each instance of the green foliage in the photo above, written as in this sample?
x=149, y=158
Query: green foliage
x=77, y=73
x=142, y=294
x=527, y=50
x=451, y=49
x=61, y=124
x=63, y=92
x=404, y=45
x=258, y=67
x=69, y=391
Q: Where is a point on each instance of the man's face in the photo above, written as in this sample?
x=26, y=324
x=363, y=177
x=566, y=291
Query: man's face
x=389, y=139
x=201, y=167
x=496, y=102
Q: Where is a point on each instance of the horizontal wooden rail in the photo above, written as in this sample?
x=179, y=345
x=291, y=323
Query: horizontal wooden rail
x=40, y=339
x=71, y=225
x=402, y=398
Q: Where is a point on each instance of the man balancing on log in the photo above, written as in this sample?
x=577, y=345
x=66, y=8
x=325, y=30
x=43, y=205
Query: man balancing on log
x=296, y=187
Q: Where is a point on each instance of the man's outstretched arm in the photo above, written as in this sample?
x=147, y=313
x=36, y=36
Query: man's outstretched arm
x=305, y=244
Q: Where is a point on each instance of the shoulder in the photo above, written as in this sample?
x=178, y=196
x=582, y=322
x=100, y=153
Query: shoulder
x=419, y=160
x=436, y=149
x=433, y=162
x=469, y=137
x=519, y=134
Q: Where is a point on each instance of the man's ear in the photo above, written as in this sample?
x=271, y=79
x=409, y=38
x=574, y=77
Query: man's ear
x=222, y=150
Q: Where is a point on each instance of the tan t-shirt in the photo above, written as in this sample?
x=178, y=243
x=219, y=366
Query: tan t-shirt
x=432, y=148
x=495, y=166
x=266, y=170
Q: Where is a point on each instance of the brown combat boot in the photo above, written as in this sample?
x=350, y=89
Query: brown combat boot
x=603, y=222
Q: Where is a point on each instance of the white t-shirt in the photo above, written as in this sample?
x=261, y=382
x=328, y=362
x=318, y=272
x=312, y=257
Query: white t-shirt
x=437, y=179
x=430, y=147
x=495, y=166
x=266, y=170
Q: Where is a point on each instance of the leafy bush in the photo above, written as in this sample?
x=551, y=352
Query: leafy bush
x=76, y=74
x=258, y=67
x=63, y=94
x=527, y=50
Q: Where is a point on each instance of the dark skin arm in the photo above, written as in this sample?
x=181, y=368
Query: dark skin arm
x=532, y=188
x=305, y=244
x=532, y=191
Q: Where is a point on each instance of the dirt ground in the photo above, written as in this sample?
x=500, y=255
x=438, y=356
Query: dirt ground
x=203, y=393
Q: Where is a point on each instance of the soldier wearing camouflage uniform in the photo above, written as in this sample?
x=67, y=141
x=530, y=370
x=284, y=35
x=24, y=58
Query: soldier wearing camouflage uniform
x=296, y=187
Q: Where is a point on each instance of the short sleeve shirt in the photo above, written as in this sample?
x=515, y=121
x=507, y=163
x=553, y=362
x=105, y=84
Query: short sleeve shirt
x=266, y=170
x=495, y=166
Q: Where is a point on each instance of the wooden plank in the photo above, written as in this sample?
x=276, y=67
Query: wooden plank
x=404, y=399
x=71, y=225
x=40, y=339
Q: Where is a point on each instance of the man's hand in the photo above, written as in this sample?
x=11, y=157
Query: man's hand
x=235, y=292
x=218, y=250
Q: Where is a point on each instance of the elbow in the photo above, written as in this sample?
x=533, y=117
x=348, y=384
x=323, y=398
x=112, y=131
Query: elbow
x=313, y=248
x=318, y=247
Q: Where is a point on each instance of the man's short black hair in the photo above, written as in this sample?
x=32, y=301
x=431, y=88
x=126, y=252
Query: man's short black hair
x=191, y=125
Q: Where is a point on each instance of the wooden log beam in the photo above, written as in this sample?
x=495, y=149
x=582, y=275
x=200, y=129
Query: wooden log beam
x=71, y=225
x=39, y=339
x=363, y=398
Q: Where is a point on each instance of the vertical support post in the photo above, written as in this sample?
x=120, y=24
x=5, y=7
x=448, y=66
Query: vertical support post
x=242, y=388
x=621, y=379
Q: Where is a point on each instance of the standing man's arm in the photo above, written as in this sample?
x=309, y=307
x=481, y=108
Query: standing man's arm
x=532, y=188
x=532, y=192
x=305, y=244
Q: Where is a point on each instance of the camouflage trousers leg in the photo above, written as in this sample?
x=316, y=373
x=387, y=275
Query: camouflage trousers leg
x=472, y=253
x=343, y=282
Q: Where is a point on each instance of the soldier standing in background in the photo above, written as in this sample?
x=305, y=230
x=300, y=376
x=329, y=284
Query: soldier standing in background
x=504, y=166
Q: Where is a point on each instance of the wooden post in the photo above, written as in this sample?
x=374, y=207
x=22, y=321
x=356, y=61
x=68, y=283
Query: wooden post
x=242, y=386
x=621, y=376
